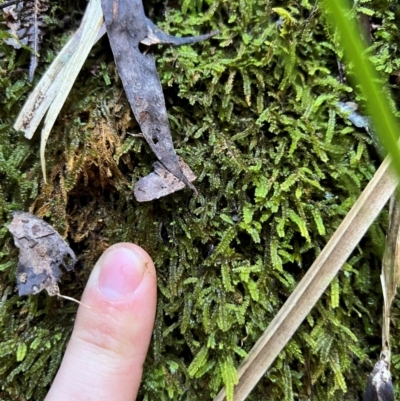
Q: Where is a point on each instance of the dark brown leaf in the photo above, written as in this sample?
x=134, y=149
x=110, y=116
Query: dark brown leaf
x=379, y=385
x=129, y=31
x=42, y=251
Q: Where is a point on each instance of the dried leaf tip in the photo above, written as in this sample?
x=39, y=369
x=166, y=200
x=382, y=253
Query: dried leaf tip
x=156, y=36
x=162, y=183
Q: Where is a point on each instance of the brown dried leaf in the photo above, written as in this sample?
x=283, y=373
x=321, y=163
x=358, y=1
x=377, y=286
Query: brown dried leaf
x=129, y=30
x=42, y=251
x=161, y=182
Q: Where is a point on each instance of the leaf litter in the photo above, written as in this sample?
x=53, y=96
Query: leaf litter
x=42, y=251
x=132, y=36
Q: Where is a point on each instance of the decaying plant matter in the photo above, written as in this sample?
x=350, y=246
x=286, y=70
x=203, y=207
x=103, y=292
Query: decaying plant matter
x=50, y=93
x=128, y=29
x=41, y=251
x=279, y=165
x=161, y=182
x=26, y=22
x=379, y=385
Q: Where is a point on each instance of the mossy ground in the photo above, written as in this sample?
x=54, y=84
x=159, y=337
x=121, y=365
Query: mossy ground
x=253, y=112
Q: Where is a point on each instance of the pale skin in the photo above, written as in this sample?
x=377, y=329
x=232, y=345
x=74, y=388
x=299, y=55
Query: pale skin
x=105, y=355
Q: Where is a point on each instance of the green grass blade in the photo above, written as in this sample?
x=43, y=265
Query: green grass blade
x=370, y=84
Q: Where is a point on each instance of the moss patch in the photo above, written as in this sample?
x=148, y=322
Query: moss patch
x=253, y=112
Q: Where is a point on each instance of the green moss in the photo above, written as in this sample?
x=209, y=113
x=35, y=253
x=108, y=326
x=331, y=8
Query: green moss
x=253, y=112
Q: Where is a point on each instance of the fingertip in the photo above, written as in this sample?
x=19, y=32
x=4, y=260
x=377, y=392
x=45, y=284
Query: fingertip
x=120, y=272
x=138, y=250
x=109, y=342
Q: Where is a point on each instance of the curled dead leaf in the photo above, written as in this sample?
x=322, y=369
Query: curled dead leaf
x=379, y=386
x=42, y=251
x=161, y=182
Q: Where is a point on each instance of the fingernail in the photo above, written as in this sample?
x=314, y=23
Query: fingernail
x=121, y=272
